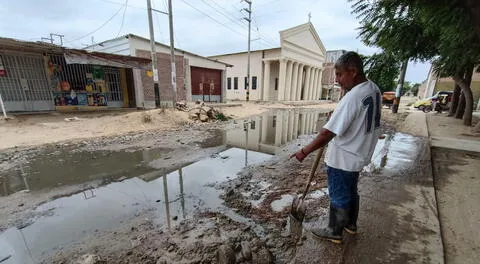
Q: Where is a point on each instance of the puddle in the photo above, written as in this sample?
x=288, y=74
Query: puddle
x=263, y=133
x=167, y=195
x=266, y=133
x=280, y=204
x=67, y=168
x=176, y=195
x=398, y=151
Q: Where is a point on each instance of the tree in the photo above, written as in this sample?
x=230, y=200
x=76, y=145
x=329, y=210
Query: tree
x=382, y=69
x=442, y=30
x=414, y=89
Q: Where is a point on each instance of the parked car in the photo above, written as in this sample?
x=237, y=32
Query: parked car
x=444, y=96
x=387, y=99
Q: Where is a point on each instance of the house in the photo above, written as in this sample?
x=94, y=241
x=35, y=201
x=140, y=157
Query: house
x=292, y=72
x=198, y=77
x=36, y=76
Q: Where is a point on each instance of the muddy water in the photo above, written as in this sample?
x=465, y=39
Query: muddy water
x=66, y=167
x=168, y=196
x=264, y=133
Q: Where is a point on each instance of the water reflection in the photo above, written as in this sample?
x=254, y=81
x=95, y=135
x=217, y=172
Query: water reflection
x=70, y=219
x=267, y=132
x=66, y=168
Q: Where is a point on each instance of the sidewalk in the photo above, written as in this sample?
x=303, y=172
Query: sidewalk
x=398, y=212
x=455, y=158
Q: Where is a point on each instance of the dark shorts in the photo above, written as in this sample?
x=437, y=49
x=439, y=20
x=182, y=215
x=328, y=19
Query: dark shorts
x=342, y=187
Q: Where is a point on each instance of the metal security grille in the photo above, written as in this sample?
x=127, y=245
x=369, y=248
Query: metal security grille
x=76, y=75
x=112, y=77
x=25, y=80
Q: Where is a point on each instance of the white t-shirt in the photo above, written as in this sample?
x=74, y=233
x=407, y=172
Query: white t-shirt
x=356, y=123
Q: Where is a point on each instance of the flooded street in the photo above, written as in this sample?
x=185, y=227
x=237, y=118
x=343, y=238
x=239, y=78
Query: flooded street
x=116, y=187
x=211, y=194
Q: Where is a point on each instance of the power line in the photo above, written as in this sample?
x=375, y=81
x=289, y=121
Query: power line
x=158, y=22
x=269, y=39
x=123, y=18
x=205, y=14
x=100, y=27
x=117, y=3
x=259, y=34
x=227, y=14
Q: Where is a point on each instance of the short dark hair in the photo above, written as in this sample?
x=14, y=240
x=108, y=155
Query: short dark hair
x=350, y=60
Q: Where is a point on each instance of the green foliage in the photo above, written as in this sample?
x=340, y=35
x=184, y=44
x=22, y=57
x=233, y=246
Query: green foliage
x=438, y=30
x=221, y=117
x=382, y=69
x=414, y=89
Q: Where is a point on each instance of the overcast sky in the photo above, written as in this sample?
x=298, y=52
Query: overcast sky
x=205, y=27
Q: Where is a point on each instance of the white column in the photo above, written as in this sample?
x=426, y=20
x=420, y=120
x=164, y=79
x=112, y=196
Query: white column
x=293, y=92
x=315, y=85
x=320, y=86
x=285, y=128
x=295, y=125
x=307, y=83
x=278, y=129
x=312, y=123
x=290, y=126
x=266, y=81
x=264, y=129
x=312, y=82
x=288, y=80
x=307, y=123
x=281, y=80
x=302, y=125
x=299, y=83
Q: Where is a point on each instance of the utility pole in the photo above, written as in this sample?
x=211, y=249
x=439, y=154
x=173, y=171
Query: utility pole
x=172, y=54
x=153, y=53
x=57, y=35
x=249, y=19
x=398, y=91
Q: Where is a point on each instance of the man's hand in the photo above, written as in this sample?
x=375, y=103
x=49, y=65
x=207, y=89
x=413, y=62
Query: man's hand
x=300, y=155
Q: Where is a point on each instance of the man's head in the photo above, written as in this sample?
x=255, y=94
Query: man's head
x=349, y=70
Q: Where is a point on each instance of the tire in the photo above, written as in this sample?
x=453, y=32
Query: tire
x=421, y=107
x=427, y=109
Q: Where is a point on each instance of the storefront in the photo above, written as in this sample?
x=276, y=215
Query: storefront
x=43, y=77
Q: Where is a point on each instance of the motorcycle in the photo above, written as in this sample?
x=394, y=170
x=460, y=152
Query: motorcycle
x=438, y=104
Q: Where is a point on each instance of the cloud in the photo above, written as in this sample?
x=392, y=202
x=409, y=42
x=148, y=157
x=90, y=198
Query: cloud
x=195, y=30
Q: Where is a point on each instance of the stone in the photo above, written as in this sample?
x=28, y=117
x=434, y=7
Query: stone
x=203, y=117
x=193, y=116
x=89, y=259
x=225, y=255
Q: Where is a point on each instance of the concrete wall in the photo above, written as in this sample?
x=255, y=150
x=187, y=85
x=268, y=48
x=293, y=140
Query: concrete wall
x=116, y=46
x=240, y=71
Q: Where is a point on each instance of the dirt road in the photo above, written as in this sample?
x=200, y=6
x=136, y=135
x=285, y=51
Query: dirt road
x=35, y=130
x=195, y=202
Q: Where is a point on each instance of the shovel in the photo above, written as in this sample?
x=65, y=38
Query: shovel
x=297, y=210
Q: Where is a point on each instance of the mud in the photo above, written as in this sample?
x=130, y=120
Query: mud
x=210, y=216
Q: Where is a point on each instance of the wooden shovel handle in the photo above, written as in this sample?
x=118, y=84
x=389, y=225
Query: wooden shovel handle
x=312, y=171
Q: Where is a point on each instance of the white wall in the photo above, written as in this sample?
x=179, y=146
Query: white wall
x=196, y=61
x=240, y=70
x=117, y=46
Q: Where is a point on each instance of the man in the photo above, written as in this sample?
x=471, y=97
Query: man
x=353, y=130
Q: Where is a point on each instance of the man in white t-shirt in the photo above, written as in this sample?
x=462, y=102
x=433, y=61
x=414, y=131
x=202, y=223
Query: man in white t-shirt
x=352, y=131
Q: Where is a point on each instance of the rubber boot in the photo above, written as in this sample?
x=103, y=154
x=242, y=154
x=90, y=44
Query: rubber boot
x=351, y=227
x=334, y=231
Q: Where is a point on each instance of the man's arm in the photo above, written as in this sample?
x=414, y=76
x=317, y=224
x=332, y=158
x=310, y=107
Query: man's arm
x=321, y=140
